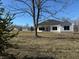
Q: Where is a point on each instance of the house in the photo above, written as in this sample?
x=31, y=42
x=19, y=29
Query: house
x=22, y=28
x=55, y=26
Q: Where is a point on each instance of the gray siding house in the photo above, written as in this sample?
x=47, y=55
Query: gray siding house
x=55, y=26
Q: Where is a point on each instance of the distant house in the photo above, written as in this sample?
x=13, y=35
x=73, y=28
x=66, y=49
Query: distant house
x=55, y=26
x=21, y=28
x=17, y=28
x=25, y=29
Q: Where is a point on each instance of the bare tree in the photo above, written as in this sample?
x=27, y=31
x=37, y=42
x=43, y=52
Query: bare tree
x=39, y=9
x=76, y=25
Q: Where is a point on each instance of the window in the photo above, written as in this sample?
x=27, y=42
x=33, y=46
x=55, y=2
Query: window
x=41, y=28
x=66, y=27
x=54, y=28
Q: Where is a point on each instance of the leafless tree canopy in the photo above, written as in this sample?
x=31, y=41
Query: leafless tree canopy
x=39, y=9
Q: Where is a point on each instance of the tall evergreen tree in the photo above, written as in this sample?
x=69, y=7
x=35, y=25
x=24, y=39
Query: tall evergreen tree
x=5, y=29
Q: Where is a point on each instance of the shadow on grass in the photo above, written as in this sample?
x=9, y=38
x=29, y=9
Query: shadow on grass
x=8, y=56
x=39, y=36
x=11, y=56
x=59, y=37
x=43, y=57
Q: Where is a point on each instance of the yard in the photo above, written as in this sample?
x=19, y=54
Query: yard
x=53, y=45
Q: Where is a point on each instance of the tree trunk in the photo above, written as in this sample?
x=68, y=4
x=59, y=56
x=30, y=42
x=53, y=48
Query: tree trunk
x=33, y=12
x=36, y=35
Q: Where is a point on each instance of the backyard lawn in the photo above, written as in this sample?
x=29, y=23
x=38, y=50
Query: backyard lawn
x=54, y=45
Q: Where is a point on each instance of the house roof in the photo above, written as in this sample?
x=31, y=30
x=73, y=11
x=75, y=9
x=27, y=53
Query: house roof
x=55, y=22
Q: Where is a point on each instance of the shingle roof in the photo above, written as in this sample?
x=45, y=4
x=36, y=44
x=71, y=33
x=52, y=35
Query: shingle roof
x=54, y=22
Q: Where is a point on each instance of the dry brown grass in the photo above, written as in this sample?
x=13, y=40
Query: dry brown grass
x=57, y=45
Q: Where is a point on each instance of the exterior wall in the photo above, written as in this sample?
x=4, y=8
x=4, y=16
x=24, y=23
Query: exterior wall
x=59, y=28
x=71, y=29
x=24, y=29
x=39, y=30
x=47, y=28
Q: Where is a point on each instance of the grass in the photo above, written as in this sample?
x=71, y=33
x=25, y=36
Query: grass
x=56, y=45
